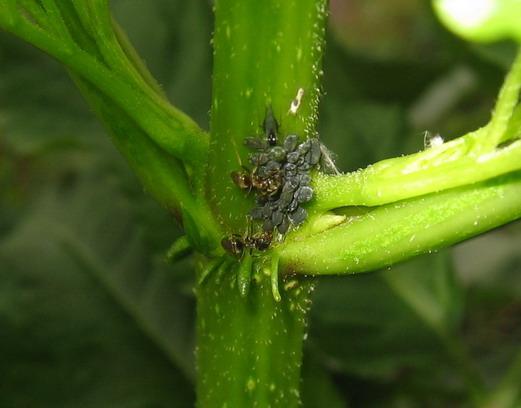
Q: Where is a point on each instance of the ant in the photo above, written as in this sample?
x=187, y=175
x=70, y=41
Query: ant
x=266, y=177
x=266, y=186
x=235, y=244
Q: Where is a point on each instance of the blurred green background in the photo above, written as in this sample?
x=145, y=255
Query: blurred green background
x=91, y=313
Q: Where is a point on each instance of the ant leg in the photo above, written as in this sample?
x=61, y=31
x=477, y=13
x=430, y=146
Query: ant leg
x=244, y=275
x=275, y=277
x=326, y=161
x=249, y=226
x=247, y=170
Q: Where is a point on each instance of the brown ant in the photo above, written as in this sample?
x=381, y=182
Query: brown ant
x=266, y=176
x=266, y=186
x=235, y=244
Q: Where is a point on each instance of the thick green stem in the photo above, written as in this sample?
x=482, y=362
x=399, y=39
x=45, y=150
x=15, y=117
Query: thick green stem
x=265, y=51
x=249, y=349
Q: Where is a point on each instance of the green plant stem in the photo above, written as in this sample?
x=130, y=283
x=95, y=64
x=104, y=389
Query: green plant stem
x=507, y=101
x=398, y=231
x=249, y=349
x=161, y=175
x=110, y=71
x=179, y=249
x=265, y=51
x=144, y=127
x=401, y=178
x=469, y=159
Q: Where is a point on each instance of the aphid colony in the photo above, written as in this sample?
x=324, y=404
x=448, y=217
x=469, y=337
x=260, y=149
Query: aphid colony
x=280, y=178
x=284, y=172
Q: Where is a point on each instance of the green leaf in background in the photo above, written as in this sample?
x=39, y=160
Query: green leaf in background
x=39, y=107
x=374, y=130
x=490, y=267
x=377, y=317
x=87, y=318
x=318, y=389
x=374, y=110
x=390, y=327
x=386, y=30
x=173, y=38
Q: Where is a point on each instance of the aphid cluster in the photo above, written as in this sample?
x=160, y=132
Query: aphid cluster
x=287, y=168
x=280, y=179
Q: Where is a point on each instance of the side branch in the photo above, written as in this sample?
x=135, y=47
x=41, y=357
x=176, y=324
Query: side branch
x=82, y=35
x=489, y=152
x=161, y=175
x=398, y=231
x=165, y=148
x=433, y=170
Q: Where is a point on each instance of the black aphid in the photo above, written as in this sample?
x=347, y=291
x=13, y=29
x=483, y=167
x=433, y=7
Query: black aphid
x=277, y=153
x=292, y=157
x=271, y=127
x=284, y=226
x=277, y=217
x=298, y=216
x=304, y=194
x=293, y=205
x=290, y=143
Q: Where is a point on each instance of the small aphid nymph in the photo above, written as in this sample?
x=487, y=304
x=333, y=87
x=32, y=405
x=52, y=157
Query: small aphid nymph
x=271, y=127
